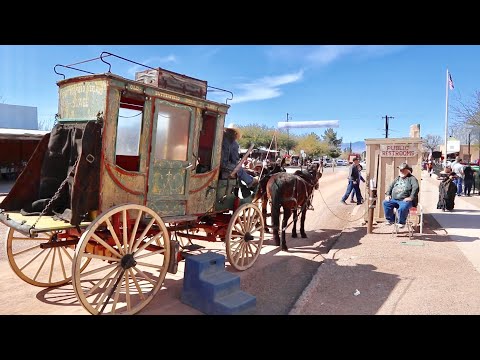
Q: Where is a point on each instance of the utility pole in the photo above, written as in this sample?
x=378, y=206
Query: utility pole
x=469, y=156
x=386, y=124
x=288, y=138
x=350, y=147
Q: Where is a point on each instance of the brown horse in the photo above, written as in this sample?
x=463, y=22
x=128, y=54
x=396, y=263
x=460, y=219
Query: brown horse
x=291, y=192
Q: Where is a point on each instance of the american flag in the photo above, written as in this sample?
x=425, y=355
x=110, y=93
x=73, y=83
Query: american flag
x=450, y=81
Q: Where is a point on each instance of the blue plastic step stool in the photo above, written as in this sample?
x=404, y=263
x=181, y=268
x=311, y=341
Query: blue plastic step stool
x=208, y=287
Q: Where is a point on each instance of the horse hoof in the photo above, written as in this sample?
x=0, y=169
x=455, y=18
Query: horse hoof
x=304, y=236
x=294, y=235
x=267, y=230
x=284, y=248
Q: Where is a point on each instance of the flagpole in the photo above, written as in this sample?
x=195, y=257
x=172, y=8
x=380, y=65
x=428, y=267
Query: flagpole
x=446, y=118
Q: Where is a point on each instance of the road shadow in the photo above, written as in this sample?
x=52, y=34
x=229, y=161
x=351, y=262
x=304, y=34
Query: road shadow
x=161, y=304
x=455, y=220
x=344, y=289
x=317, y=241
x=432, y=232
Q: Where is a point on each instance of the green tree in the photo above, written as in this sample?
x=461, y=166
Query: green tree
x=333, y=152
x=286, y=141
x=330, y=137
x=255, y=134
x=311, y=145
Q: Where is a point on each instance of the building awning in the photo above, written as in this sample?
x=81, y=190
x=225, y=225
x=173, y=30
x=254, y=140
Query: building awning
x=22, y=134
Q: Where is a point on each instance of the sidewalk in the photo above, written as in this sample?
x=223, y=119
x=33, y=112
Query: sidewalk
x=435, y=273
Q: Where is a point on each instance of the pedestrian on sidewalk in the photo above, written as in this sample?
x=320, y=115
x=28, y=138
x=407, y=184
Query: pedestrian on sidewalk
x=402, y=194
x=457, y=168
x=430, y=168
x=353, y=183
x=447, y=191
x=468, y=178
x=360, y=168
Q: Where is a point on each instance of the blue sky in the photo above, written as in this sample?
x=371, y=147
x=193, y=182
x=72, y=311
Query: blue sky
x=357, y=84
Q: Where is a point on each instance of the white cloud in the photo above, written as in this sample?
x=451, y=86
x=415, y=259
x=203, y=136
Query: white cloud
x=265, y=88
x=154, y=61
x=323, y=55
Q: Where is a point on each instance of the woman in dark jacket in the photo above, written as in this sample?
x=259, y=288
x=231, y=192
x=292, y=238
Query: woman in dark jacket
x=447, y=191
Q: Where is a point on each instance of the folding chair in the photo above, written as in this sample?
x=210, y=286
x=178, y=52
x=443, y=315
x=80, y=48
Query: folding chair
x=414, y=220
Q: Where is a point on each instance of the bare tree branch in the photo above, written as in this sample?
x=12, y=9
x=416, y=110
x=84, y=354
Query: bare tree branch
x=431, y=142
x=45, y=124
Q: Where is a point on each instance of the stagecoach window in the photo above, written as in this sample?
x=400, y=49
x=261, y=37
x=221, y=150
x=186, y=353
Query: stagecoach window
x=173, y=126
x=129, y=128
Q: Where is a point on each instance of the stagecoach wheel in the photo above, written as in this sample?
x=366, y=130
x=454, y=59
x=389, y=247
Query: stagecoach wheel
x=39, y=263
x=129, y=263
x=244, y=236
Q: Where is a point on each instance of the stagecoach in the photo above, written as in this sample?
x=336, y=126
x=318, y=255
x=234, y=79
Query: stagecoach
x=113, y=196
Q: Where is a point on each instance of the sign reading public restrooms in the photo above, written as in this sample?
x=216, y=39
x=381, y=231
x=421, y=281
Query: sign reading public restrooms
x=398, y=150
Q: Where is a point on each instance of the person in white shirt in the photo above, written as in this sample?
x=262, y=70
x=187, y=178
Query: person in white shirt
x=457, y=168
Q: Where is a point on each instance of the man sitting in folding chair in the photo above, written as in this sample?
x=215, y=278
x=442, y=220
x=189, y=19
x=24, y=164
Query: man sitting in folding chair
x=402, y=194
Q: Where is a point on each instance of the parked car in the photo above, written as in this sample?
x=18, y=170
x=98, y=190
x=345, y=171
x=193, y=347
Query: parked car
x=342, y=162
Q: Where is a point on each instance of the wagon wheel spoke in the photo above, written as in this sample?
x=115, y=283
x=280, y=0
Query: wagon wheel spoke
x=125, y=230
x=101, y=282
x=33, y=259
x=136, y=274
x=109, y=288
x=104, y=244
x=142, y=236
x=150, y=254
x=134, y=278
x=135, y=228
x=115, y=300
x=127, y=291
x=141, y=248
x=41, y=265
x=114, y=236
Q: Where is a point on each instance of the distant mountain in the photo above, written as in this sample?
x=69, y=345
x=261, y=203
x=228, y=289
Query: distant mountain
x=357, y=146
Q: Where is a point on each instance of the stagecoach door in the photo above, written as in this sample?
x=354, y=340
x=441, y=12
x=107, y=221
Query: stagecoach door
x=170, y=158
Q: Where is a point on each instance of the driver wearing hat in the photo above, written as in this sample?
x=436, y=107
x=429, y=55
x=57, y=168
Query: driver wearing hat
x=231, y=156
x=402, y=194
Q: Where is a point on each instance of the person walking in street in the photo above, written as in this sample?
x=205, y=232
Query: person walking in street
x=468, y=179
x=360, y=168
x=402, y=194
x=457, y=168
x=353, y=183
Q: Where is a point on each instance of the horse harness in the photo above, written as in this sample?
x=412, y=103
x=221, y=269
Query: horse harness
x=295, y=194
